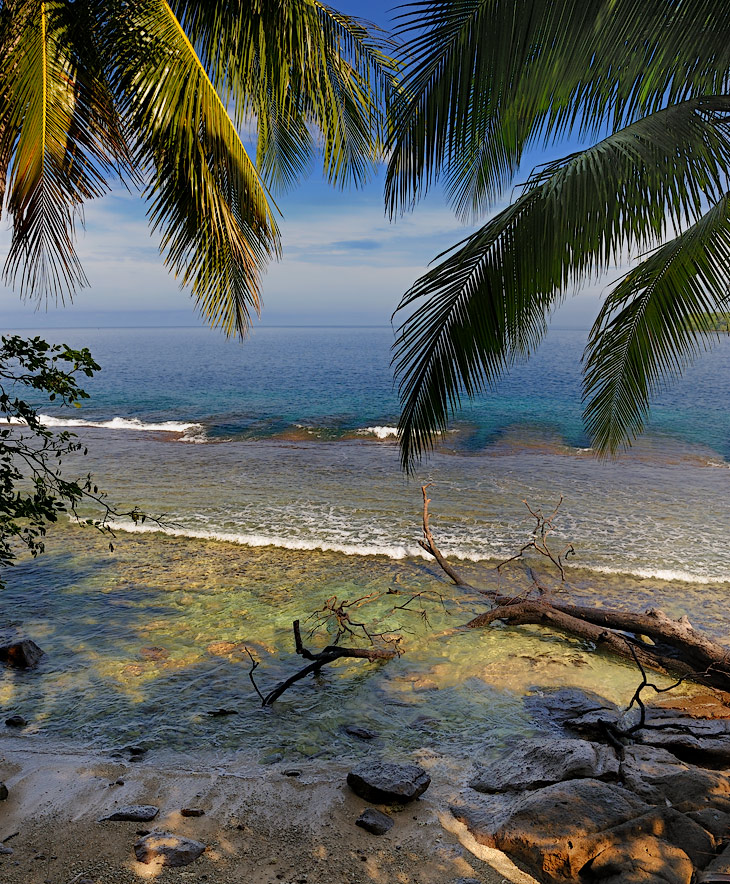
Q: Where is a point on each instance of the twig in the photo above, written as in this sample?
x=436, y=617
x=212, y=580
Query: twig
x=254, y=667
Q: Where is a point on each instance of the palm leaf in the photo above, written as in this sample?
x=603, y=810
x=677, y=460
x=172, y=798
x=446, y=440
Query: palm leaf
x=59, y=137
x=653, y=324
x=295, y=69
x=486, y=78
x=487, y=302
x=206, y=197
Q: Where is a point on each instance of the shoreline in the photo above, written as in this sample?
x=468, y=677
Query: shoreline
x=260, y=825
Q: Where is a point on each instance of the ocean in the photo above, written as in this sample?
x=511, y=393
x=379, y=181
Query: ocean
x=274, y=464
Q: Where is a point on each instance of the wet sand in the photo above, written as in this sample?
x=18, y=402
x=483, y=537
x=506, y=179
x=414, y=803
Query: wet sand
x=260, y=826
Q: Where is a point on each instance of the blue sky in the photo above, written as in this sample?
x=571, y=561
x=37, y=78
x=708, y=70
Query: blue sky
x=344, y=262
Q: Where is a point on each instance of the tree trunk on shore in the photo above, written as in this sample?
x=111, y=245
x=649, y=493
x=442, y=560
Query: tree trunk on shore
x=678, y=647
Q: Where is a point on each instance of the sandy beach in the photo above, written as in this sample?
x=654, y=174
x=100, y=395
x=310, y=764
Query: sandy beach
x=260, y=825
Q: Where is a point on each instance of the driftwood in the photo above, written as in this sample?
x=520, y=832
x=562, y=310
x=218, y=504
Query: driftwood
x=678, y=647
x=318, y=660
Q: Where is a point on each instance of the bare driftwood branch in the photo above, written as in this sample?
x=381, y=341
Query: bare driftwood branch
x=543, y=527
x=679, y=648
x=429, y=545
x=320, y=659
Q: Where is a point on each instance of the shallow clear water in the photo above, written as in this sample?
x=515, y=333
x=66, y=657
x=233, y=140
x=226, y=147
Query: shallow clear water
x=267, y=446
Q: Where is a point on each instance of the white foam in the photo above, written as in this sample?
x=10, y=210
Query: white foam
x=193, y=432
x=244, y=539
x=379, y=432
x=672, y=575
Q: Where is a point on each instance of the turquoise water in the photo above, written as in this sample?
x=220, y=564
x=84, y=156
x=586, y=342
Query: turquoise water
x=276, y=467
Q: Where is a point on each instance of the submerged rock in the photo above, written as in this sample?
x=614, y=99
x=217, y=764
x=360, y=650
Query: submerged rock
x=16, y=721
x=374, y=821
x=25, y=654
x=135, y=813
x=362, y=733
x=540, y=762
x=167, y=849
x=386, y=783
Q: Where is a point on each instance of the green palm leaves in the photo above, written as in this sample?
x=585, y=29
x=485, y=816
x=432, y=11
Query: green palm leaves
x=488, y=78
x=159, y=92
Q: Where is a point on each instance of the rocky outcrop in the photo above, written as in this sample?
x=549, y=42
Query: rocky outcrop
x=24, y=654
x=383, y=782
x=659, y=820
x=540, y=762
x=166, y=849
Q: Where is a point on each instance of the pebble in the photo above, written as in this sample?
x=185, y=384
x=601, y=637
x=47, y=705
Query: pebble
x=374, y=821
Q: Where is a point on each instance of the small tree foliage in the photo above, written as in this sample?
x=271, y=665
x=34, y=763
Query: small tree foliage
x=33, y=488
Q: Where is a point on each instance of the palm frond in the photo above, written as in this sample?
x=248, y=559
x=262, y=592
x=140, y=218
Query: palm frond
x=59, y=139
x=486, y=78
x=293, y=69
x=653, y=324
x=206, y=197
x=487, y=302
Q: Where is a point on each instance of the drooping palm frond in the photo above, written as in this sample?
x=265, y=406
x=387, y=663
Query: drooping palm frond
x=206, y=197
x=59, y=141
x=487, y=303
x=653, y=324
x=294, y=69
x=486, y=78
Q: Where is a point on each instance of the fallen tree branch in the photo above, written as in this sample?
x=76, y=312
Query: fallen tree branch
x=318, y=660
x=679, y=648
x=430, y=546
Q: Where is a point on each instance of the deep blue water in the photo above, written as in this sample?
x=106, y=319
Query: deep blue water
x=338, y=381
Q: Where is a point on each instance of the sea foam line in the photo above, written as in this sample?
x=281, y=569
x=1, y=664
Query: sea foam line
x=397, y=551
x=192, y=431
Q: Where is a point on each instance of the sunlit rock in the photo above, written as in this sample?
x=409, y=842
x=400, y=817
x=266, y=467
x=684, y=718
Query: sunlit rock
x=167, y=849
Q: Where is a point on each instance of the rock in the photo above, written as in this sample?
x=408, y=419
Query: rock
x=540, y=762
x=552, y=709
x=192, y=811
x=716, y=822
x=721, y=864
x=24, y=654
x=292, y=772
x=167, y=849
x=154, y=653
x=135, y=813
x=16, y=721
x=659, y=777
x=217, y=713
x=135, y=750
x=3, y=791
x=5, y=851
x=362, y=733
x=554, y=830
x=119, y=782
x=698, y=740
x=374, y=821
x=592, y=724
x=645, y=860
x=386, y=783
